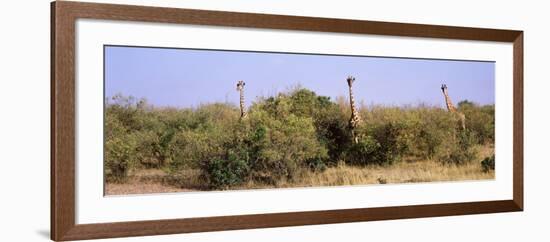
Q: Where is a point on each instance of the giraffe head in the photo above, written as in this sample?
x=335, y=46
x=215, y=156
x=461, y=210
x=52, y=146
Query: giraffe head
x=444, y=88
x=240, y=85
x=350, y=80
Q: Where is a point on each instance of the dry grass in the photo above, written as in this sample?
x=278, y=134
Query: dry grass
x=413, y=171
x=157, y=181
x=144, y=181
x=405, y=172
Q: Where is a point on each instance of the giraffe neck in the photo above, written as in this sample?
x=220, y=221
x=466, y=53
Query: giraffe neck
x=354, y=116
x=451, y=108
x=241, y=103
x=449, y=103
x=354, y=120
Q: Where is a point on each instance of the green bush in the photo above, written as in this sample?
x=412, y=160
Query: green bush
x=383, y=144
x=119, y=158
x=436, y=132
x=366, y=151
x=120, y=150
x=281, y=145
x=277, y=140
x=224, y=173
x=155, y=149
x=480, y=121
x=488, y=163
x=423, y=132
x=330, y=122
x=129, y=111
x=460, y=150
x=194, y=147
x=392, y=141
x=332, y=131
x=417, y=131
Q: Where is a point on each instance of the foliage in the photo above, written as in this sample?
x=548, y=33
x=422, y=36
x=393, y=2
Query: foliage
x=393, y=141
x=480, y=120
x=459, y=150
x=120, y=148
x=366, y=151
x=223, y=173
x=282, y=136
x=488, y=163
x=381, y=144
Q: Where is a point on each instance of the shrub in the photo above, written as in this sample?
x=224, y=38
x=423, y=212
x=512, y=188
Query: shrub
x=480, y=121
x=155, y=149
x=392, y=141
x=129, y=111
x=385, y=137
x=366, y=151
x=434, y=134
x=224, y=173
x=194, y=147
x=276, y=142
x=202, y=135
x=120, y=149
x=328, y=119
x=119, y=158
x=460, y=150
x=381, y=145
x=281, y=145
x=332, y=132
x=488, y=163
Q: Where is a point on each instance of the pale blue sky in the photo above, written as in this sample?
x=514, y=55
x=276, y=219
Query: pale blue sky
x=184, y=77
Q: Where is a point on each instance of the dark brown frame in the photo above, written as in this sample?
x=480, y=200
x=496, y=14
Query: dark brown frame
x=63, y=17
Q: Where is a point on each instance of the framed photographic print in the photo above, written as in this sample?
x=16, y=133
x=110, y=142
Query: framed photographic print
x=170, y=120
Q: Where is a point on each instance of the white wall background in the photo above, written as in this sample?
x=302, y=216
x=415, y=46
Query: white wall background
x=24, y=120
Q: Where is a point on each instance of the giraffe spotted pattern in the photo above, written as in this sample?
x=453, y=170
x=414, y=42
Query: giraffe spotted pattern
x=355, y=119
x=451, y=108
x=240, y=89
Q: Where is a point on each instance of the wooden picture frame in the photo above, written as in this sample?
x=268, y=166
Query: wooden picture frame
x=63, y=17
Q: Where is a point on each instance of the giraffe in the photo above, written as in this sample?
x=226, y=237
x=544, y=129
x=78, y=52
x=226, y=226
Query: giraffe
x=240, y=88
x=354, y=120
x=451, y=108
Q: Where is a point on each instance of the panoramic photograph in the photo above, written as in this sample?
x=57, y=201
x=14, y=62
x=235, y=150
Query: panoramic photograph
x=196, y=120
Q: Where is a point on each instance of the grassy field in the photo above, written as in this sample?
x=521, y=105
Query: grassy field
x=145, y=181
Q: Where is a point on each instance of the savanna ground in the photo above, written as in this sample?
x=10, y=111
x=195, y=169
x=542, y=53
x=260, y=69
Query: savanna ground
x=294, y=139
x=154, y=180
